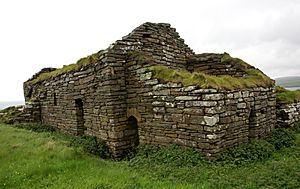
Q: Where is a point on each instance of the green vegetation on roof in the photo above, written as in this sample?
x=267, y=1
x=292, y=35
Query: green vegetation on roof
x=254, y=78
x=91, y=59
x=227, y=58
x=286, y=96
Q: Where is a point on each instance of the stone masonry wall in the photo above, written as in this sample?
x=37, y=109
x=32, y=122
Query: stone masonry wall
x=93, y=100
x=288, y=114
x=210, y=63
x=117, y=99
x=208, y=120
x=159, y=41
x=99, y=87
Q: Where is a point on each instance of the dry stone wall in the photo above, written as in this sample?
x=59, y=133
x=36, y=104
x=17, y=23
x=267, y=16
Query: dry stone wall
x=288, y=114
x=212, y=64
x=205, y=119
x=159, y=41
x=89, y=101
x=93, y=100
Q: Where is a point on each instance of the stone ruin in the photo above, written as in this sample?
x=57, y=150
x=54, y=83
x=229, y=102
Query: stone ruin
x=117, y=96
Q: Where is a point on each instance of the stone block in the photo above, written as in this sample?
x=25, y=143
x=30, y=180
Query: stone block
x=241, y=105
x=164, y=92
x=216, y=96
x=177, y=118
x=193, y=111
x=159, y=109
x=204, y=103
x=211, y=120
x=184, y=98
x=197, y=119
x=158, y=103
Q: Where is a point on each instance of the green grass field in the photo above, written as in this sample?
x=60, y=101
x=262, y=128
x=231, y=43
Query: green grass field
x=45, y=160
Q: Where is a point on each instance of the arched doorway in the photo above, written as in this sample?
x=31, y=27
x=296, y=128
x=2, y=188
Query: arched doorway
x=132, y=132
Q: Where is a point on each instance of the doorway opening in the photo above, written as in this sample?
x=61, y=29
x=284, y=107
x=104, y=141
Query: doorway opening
x=132, y=131
x=252, y=124
x=79, y=117
x=54, y=99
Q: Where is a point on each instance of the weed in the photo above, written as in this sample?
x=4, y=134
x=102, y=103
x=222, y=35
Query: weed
x=296, y=128
x=255, y=150
x=90, y=145
x=36, y=127
x=171, y=155
x=281, y=137
x=259, y=149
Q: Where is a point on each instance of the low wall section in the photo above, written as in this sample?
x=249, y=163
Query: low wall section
x=288, y=114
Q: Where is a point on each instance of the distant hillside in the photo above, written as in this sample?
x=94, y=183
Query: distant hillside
x=293, y=81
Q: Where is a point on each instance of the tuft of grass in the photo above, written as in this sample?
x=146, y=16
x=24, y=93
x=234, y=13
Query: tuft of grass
x=254, y=78
x=91, y=59
x=282, y=137
x=254, y=151
x=90, y=145
x=226, y=58
x=279, y=89
x=173, y=155
x=36, y=127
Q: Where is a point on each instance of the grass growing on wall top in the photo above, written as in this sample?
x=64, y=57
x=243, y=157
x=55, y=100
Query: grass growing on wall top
x=67, y=68
x=254, y=78
x=286, y=96
x=227, y=58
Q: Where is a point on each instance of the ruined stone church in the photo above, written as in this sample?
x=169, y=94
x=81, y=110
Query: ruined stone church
x=151, y=88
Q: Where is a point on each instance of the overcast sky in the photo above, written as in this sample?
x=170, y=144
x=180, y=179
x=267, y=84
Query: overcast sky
x=37, y=33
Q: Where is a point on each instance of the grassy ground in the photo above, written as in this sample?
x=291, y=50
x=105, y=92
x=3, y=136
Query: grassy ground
x=286, y=96
x=44, y=160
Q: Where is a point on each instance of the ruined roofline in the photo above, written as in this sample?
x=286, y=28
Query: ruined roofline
x=153, y=29
x=218, y=64
x=96, y=57
x=81, y=63
x=253, y=78
x=151, y=25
